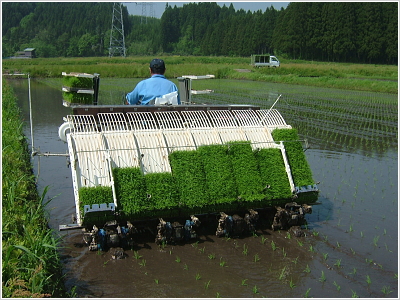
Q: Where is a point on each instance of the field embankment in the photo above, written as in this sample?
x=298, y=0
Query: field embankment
x=30, y=261
x=362, y=77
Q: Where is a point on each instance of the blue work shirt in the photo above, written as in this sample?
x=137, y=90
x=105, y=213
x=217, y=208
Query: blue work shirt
x=148, y=89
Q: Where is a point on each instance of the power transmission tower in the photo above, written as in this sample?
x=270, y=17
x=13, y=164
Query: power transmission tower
x=144, y=10
x=117, y=37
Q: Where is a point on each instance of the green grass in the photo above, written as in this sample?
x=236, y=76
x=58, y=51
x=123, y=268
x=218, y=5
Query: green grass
x=30, y=263
x=361, y=77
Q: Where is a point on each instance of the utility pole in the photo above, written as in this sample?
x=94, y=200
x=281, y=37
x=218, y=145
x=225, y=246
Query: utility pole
x=117, y=38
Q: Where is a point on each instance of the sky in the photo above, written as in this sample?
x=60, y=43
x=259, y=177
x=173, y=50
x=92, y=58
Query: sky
x=135, y=8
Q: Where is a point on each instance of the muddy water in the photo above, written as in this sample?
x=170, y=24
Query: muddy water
x=351, y=248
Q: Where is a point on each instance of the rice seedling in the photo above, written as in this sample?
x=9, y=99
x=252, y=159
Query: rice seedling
x=244, y=282
x=288, y=236
x=156, y=281
x=387, y=249
x=282, y=275
x=263, y=239
x=375, y=240
x=307, y=293
x=273, y=246
x=291, y=284
x=245, y=249
x=198, y=276
x=185, y=267
x=315, y=233
x=336, y=285
x=255, y=290
x=307, y=269
x=136, y=255
x=338, y=263
x=284, y=252
x=211, y=256
x=322, y=278
x=207, y=284
x=178, y=260
x=222, y=263
x=354, y=294
x=368, y=279
x=352, y=251
x=201, y=250
x=296, y=260
x=256, y=258
x=218, y=295
x=311, y=248
x=300, y=243
x=386, y=290
x=143, y=263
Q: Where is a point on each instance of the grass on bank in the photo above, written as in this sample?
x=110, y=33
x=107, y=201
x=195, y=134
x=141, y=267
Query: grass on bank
x=30, y=261
x=363, y=77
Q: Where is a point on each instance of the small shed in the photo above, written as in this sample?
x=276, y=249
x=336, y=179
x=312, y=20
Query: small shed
x=27, y=53
x=30, y=52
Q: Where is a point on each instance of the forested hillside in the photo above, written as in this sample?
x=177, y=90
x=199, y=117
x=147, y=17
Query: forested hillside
x=364, y=32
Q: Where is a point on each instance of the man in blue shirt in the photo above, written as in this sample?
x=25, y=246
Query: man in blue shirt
x=154, y=87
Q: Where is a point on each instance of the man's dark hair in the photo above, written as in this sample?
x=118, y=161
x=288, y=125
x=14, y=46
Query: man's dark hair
x=157, y=66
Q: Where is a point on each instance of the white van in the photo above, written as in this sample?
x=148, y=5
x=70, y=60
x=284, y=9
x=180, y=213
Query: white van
x=262, y=60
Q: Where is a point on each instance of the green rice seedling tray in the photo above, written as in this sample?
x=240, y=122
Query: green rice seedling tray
x=130, y=188
x=273, y=173
x=188, y=170
x=300, y=168
x=220, y=181
x=245, y=169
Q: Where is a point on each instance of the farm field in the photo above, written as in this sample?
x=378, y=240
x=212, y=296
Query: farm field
x=351, y=247
x=362, y=77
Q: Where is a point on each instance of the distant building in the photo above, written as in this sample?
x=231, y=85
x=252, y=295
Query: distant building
x=27, y=53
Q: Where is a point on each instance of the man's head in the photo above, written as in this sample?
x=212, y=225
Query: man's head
x=157, y=66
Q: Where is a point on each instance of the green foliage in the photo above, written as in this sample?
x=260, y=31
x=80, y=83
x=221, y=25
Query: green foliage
x=79, y=82
x=31, y=266
x=220, y=182
x=273, y=173
x=130, y=188
x=162, y=192
x=245, y=170
x=299, y=166
x=189, y=173
x=95, y=195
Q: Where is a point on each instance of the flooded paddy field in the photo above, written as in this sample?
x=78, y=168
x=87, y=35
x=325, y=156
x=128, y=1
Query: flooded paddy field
x=351, y=245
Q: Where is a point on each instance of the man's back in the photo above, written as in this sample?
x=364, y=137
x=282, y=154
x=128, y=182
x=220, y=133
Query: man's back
x=154, y=87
